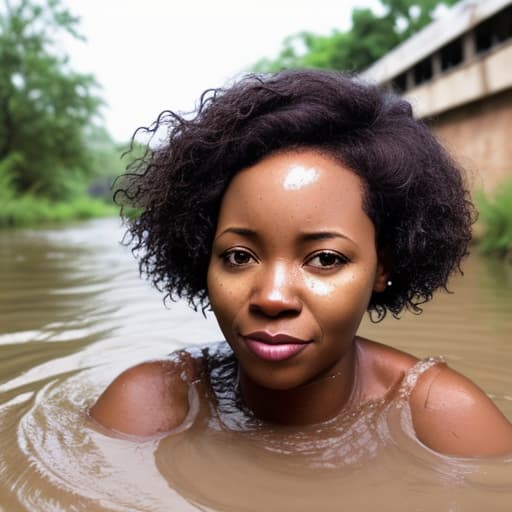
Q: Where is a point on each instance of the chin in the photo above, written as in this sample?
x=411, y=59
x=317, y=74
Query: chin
x=281, y=380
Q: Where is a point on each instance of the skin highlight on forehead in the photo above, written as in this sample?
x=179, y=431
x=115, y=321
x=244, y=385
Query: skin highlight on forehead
x=299, y=176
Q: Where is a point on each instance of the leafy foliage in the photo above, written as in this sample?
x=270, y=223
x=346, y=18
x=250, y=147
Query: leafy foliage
x=45, y=107
x=496, y=217
x=370, y=37
x=27, y=209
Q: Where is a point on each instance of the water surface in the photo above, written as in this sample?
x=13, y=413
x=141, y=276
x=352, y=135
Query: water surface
x=74, y=314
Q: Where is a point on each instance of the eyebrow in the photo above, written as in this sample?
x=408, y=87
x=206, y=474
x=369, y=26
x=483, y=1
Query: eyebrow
x=304, y=237
x=323, y=235
x=249, y=233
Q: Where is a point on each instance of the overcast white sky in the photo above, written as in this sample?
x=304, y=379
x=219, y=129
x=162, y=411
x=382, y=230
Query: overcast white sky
x=152, y=55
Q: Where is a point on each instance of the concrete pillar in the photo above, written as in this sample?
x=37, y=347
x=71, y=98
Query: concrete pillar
x=409, y=80
x=468, y=46
x=436, y=65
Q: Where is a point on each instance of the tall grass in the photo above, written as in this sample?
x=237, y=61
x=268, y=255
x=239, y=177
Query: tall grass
x=496, y=218
x=29, y=209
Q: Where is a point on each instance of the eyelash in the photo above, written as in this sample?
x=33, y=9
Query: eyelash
x=232, y=253
x=340, y=260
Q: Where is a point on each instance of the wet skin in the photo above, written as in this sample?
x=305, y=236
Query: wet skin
x=294, y=255
x=293, y=267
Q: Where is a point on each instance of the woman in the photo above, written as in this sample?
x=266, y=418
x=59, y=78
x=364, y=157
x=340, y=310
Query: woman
x=291, y=204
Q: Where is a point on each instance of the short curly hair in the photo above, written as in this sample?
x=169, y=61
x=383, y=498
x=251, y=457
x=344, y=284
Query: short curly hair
x=414, y=192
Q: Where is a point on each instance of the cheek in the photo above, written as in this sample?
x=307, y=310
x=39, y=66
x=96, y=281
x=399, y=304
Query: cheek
x=223, y=296
x=341, y=296
x=319, y=288
x=216, y=289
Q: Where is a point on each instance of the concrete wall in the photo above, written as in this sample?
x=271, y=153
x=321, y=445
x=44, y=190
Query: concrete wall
x=457, y=74
x=481, y=76
x=470, y=109
x=461, y=19
x=479, y=136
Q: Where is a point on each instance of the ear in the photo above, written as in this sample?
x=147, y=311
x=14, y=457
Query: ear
x=383, y=270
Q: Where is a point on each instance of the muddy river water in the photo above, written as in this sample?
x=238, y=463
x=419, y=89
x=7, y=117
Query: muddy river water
x=74, y=314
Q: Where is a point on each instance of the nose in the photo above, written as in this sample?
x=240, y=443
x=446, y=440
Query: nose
x=275, y=292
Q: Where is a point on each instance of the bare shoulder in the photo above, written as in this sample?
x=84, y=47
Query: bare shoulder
x=454, y=416
x=450, y=413
x=149, y=398
x=383, y=367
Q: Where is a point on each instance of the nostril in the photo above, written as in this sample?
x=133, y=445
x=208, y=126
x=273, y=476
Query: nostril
x=275, y=305
x=273, y=312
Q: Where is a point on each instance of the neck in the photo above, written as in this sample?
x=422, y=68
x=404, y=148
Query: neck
x=313, y=402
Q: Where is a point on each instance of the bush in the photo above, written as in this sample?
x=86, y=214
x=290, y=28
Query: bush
x=496, y=219
x=29, y=210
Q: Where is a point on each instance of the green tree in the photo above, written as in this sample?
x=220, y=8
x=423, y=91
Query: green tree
x=45, y=107
x=109, y=160
x=370, y=37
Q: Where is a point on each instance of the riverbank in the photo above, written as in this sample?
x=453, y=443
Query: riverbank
x=30, y=210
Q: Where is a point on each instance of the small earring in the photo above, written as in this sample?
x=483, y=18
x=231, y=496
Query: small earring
x=389, y=283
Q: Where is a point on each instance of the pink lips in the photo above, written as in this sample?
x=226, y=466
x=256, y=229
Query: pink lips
x=274, y=347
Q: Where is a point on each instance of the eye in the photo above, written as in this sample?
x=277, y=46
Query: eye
x=326, y=260
x=238, y=257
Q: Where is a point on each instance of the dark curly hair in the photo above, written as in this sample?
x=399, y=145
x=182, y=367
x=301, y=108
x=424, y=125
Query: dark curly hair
x=414, y=193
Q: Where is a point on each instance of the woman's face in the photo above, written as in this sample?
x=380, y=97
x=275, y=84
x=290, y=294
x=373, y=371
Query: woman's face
x=293, y=267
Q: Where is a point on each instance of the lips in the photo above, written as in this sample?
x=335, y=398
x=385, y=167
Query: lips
x=274, y=347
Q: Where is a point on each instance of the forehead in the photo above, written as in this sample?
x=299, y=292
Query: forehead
x=307, y=186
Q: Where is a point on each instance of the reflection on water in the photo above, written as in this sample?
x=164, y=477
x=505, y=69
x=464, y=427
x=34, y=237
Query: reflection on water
x=73, y=314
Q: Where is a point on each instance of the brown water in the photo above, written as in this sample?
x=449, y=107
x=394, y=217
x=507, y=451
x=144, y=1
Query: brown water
x=73, y=314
